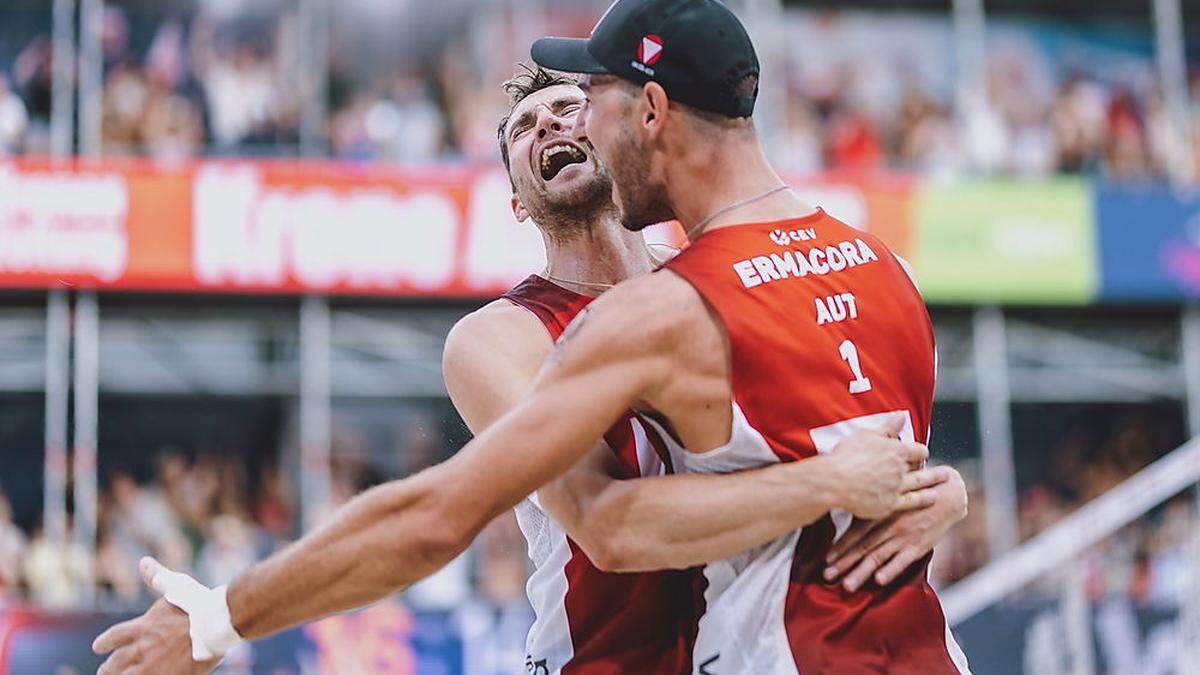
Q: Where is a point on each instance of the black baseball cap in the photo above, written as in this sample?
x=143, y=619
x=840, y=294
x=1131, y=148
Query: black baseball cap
x=696, y=49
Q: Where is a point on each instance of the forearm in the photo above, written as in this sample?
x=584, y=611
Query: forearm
x=685, y=520
x=374, y=546
x=401, y=532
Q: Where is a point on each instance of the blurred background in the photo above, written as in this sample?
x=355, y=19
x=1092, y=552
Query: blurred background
x=234, y=234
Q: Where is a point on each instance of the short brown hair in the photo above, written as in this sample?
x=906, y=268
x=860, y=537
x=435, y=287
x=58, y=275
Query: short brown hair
x=521, y=86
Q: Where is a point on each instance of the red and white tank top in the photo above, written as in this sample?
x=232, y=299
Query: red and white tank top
x=828, y=334
x=590, y=622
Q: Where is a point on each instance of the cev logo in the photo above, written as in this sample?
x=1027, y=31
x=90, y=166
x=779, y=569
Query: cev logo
x=784, y=238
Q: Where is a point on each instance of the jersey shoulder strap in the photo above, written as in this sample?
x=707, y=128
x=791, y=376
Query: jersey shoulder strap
x=552, y=304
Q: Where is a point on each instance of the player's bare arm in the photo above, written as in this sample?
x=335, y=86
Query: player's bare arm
x=644, y=524
x=402, y=531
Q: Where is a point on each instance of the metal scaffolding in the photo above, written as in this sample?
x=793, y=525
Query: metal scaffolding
x=316, y=410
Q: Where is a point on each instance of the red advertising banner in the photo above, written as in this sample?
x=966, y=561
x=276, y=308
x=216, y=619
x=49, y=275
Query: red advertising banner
x=293, y=227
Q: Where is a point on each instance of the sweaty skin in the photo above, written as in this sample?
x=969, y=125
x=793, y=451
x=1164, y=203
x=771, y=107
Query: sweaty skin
x=651, y=344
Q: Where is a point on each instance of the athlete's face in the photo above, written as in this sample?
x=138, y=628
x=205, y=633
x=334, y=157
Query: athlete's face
x=555, y=173
x=612, y=122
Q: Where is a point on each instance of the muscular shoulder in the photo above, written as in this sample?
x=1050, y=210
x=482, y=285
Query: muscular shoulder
x=651, y=312
x=490, y=360
x=646, y=328
x=498, y=331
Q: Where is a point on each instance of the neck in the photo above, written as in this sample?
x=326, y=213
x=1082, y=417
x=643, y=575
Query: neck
x=699, y=187
x=603, y=253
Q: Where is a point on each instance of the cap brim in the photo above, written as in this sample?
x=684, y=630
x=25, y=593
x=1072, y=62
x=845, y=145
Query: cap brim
x=569, y=55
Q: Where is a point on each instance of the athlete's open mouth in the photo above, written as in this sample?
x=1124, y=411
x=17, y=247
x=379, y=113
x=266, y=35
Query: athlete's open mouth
x=558, y=156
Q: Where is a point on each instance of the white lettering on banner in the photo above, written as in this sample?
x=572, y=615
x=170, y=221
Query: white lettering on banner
x=836, y=308
x=246, y=233
x=63, y=223
x=500, y=251
x=794, y=263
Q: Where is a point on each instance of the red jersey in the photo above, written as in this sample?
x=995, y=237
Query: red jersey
x=828, y=334
x=591, y=622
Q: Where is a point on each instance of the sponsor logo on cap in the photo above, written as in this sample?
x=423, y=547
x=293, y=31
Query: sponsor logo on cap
x=650, y=50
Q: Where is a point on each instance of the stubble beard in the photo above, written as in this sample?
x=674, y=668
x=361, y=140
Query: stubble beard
x=642, y=203
x=569, y=213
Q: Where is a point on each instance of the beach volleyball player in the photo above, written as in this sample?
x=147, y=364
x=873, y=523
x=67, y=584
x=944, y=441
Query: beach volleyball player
x=795, y=329
x=650, y=344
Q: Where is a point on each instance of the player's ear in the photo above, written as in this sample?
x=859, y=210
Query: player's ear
x=519, y=211
x=654, y=107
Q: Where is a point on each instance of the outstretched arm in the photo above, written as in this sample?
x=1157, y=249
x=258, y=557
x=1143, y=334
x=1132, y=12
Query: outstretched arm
x=403, y=531
x=399, y=532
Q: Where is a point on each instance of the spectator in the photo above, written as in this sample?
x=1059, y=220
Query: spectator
x=494, y=622
x=230, y=549
x=55, y=572
x=33, y=83
x=142, y=523
x=12, y=548
x=14, y=119
x=117, y=575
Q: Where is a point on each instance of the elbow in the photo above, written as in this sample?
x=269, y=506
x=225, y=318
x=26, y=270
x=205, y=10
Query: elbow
x=630, y=557
x=611, y=555
x=437, y=543
x=604, y=537
x=616, y=549
x=423, y=539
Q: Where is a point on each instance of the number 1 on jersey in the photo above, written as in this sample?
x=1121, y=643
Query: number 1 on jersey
x=849, y=354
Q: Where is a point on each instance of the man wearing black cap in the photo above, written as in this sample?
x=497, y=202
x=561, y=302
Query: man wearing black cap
x=767, y=341
x=794, y=329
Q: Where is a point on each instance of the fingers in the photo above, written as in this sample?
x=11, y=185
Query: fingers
x=115, y=637
x=121, y=661
x=869, y=564
x=176, y=588
x=859, y=529
x=924, y=478
x=914, y=453
x=848, y=550
x=150, y=569
x=916, y=500
x=896, y=566
x=845, y=563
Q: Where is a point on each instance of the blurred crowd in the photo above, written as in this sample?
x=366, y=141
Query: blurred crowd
x=218, y=83
x=1148, y=563
x=214, y=515
x=1085, y=126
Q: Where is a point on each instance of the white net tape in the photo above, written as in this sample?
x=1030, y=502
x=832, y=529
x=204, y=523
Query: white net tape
x=1096, y=520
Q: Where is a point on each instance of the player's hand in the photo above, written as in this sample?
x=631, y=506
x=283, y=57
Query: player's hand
x=884, y=549
x=155, y=642
x=876, y=476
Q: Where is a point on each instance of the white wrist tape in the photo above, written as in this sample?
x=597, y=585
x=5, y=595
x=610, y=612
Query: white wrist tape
x=210, y=627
